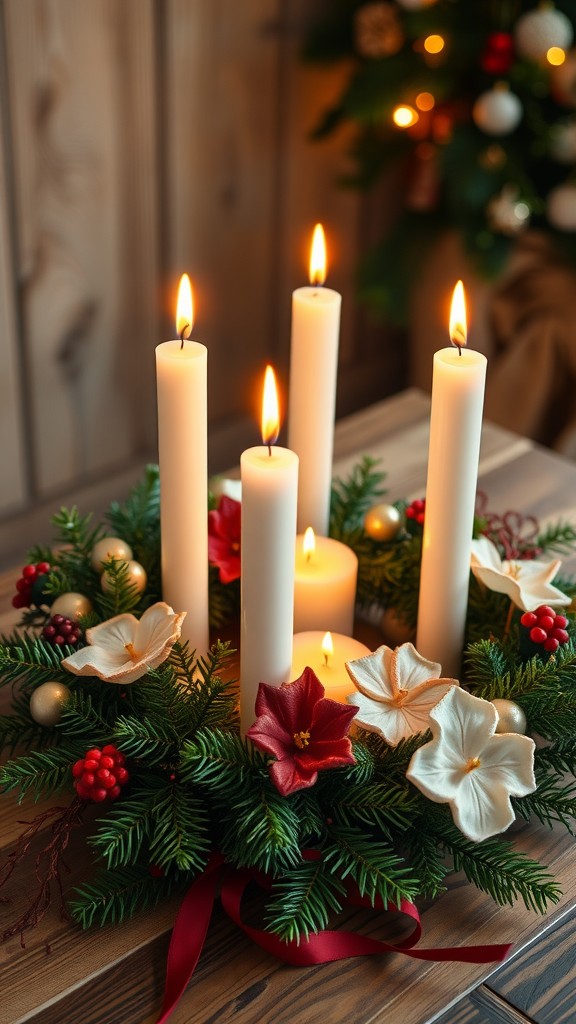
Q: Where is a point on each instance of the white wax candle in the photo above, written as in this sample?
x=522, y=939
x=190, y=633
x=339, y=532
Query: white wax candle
x=455, y=432
x=181, y=370
x=267, y=549
x=312, y=402
x=325, y=586
x=331, y=670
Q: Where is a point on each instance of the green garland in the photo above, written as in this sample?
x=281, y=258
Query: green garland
x=196, y=786
x=452, y=172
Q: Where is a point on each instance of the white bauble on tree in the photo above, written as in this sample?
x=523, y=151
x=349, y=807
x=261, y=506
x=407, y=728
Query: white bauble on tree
x=561, y=207
x=536, y=31
x=47, y=702
x=497, y=111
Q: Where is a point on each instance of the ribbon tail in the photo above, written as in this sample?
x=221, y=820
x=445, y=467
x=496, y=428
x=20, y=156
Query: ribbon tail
x=189, y=934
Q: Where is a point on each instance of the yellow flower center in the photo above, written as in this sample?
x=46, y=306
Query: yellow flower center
x=473, y=763
x=131, y=651
x=512, y=570
x=301, y=739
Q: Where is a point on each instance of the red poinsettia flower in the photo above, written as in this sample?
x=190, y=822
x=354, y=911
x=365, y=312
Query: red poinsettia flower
x=224, y=538
x=305, y=730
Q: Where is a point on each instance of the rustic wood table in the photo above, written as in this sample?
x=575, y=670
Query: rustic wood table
x=116, y=974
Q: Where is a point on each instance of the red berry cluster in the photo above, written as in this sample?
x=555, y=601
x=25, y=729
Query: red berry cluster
x=546, y=628
x=60, y=631
x=100, y=774
x=31, y=575
x=416, y=511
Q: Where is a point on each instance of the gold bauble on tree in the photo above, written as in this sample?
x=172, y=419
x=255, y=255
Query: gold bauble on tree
x=107, y=548
x=47, y=702
x=511, y=717
x=382, y=522
x=136, y=576
x=71, y=605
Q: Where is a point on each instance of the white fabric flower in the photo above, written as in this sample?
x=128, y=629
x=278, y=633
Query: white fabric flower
x=123, y=648
x=220, y=485
x=468, y=767
x=397, y=690
x=525, y=581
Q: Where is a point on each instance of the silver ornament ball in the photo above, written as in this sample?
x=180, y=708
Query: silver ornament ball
x=109, y=547
x=511, y=717
x=136, y=576
x=497, y=111
x=47, y=703
x=71, y=605
x=537, y=31
x=561, y=207
x=382, y=522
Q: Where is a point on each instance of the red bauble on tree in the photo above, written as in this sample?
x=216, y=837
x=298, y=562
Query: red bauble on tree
x=498, y=56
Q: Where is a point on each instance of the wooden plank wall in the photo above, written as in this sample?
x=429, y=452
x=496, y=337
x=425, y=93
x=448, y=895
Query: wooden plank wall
x=137, y=140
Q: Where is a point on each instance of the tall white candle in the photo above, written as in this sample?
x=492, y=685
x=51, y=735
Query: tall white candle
x=455, y=431
x=312, y=403
x=325, y=584
x=268, y=539
x=183, y=457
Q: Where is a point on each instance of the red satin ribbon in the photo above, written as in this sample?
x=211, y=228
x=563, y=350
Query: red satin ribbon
x=194, y=917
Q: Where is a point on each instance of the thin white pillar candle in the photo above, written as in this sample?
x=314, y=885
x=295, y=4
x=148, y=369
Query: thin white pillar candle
x=268, y=540
x=312, y=402
x=324, y=585
x=326, y=654
x=181, y=370
x=455, y=432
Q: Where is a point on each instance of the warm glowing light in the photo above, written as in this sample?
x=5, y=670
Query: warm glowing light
x=425, y=101
x=404, y=117
x=318, y=256
x=270, y=413
x=555, y=56
x=434, y=44
x=458, y=331
x=184, y=308
x=327, y=647
x=308, y=543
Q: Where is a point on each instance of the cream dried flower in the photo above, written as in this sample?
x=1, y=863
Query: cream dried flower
x=124, y=648
x=527, y=582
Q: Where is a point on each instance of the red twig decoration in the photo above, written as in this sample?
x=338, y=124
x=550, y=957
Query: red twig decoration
x=49, y=863
x=513, y=533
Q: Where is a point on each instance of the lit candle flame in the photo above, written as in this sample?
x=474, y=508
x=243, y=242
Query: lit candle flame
x=184, y=308
x=308, y=543
x=458, y=331
x=270, y=412
x=318, y=256
x=327, y=647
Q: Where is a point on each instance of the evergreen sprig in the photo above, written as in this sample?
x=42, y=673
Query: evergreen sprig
x=111, y=897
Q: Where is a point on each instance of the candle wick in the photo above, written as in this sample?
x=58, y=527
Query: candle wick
x=308, y=556
x=325, y=656
x=186, y=327
x=270, y=450
x=459, y=349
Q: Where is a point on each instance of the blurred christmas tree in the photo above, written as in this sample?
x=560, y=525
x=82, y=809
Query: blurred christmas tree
x=474, y=102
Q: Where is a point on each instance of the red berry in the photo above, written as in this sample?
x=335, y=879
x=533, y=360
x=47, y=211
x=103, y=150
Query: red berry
x=22, y=586
x=90, y=763
x=57, y=620
x=96, y=781
x=561, y=635
x=551, y=645
x=420, y=518
x=560, y=621
x=544, y=609
x=114, y=793
x=42, y=568
x=29, y=572
x=88, y=779
x=410, y=513
x=78, y=768
x=59, y=640
x=19, y=601
x=98, y=794
x=546, y=622
x=122, y=776
x=529, y=619
x=82, y=791
x=109, y=750
x=94, y=755
x=106, y=761
x=119, y=759
x=102, y=774
x=537, y=635
x=109, y=783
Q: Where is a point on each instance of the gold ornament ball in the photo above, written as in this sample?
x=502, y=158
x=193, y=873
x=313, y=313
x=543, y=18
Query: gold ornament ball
x=71, y=605
x=511, y=718
x=136, y=576
x=47, y=703
x=109, y=547
x=382, y=522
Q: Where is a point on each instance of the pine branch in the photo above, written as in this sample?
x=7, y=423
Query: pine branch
x=553, y=801
x=180, y=837
x=41, y=772
x=87, y=715
x=302, y=900
x=558, y=538
x=29, y=661
x=382, y=806
x=221, y=762
x=146, y=739
x=494, y=865
x=561, y=757
x=351, y=498
x=426, y=861
x=374, y=866
x=260, y=831
x=121, y=595
x=114, y=896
